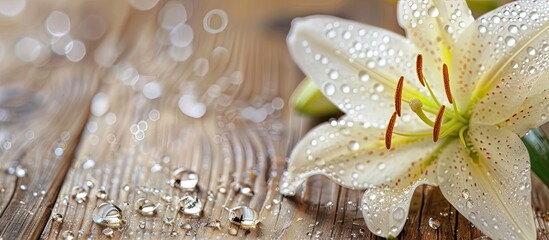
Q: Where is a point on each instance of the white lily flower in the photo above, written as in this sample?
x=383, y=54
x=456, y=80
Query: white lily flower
x=473, y=89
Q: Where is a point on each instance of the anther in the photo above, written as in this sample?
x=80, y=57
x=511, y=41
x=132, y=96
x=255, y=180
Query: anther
x=389, y=131
x=447, y=83
x=438, y=123
x=419, y=69
x=398, y=96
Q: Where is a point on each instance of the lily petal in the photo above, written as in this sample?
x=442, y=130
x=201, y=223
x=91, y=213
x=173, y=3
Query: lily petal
x=498, y=57
x=433, y=26
x=385, y=209
x=533, y=113
x=490, y=185
x=355, y=157
x=355, y=65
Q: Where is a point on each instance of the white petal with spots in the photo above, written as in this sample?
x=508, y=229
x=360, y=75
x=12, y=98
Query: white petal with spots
x=533, y=113
x=356, y=157
x=491, y=188
x=497, y=58
x=356, y=66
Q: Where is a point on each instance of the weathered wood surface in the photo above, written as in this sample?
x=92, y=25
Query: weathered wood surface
x=227, y=145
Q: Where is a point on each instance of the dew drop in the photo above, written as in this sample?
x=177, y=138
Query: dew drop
x=152, y=90
x=398, y=214
x=531, y=51
x=378, y=87
x=79, y=194
x=472, y=216
x=109, y=232
x=108, y=215
x=353, y=145
x=329, y=89
x=482, y=29
x=465, y=193
x=345, y=88
x=434, y=223
x=244, y=216
x=534, y=16
x=334, y=75
x=190, y=205
x=469, y=203
x=168, y=220
x=381, y=166
x=331, y=33
x=145, y=207
x=184, y=179
x=513, y=29
x=363, y=76
x=449, y=29
x=510, y=41
x=68, y=235
x=360, y=166
x=433, y=11
x=532, y=70
x=101, y=194
x=496, y=19
x=346, y=35
x=58, y=218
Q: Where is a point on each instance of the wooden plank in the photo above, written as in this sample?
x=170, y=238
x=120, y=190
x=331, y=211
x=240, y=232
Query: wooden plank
x=42, y=144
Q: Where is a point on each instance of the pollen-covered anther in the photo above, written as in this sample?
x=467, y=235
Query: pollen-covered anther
x=398, y=96
x=446, y=78
x=438, y=123
x=419, y=69
x=389, y=131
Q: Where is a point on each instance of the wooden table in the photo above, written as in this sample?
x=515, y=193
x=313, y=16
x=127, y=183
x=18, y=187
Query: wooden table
x=128, y=146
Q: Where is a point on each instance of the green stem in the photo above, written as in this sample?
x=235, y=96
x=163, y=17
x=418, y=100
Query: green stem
x=537, y=144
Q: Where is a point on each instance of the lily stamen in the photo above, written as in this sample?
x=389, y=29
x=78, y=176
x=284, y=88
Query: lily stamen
x=398, y=96
x=438, y=123
x=389, y=131
x=448, y=91
x=422, y=80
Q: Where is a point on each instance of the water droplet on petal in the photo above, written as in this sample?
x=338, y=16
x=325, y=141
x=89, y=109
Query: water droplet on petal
x=334, y=75
x=329, y=89
x=381, y=166
x=398, y=214
x=469, y=203
x=465, y=193
x=510, y=41
x=531, y=51
x=363, y=76
x=433, y=11
x=353, y=145
x=513, y=29
x=472, y=216
x=482, y=29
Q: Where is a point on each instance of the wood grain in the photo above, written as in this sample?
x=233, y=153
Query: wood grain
x=225, y=147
